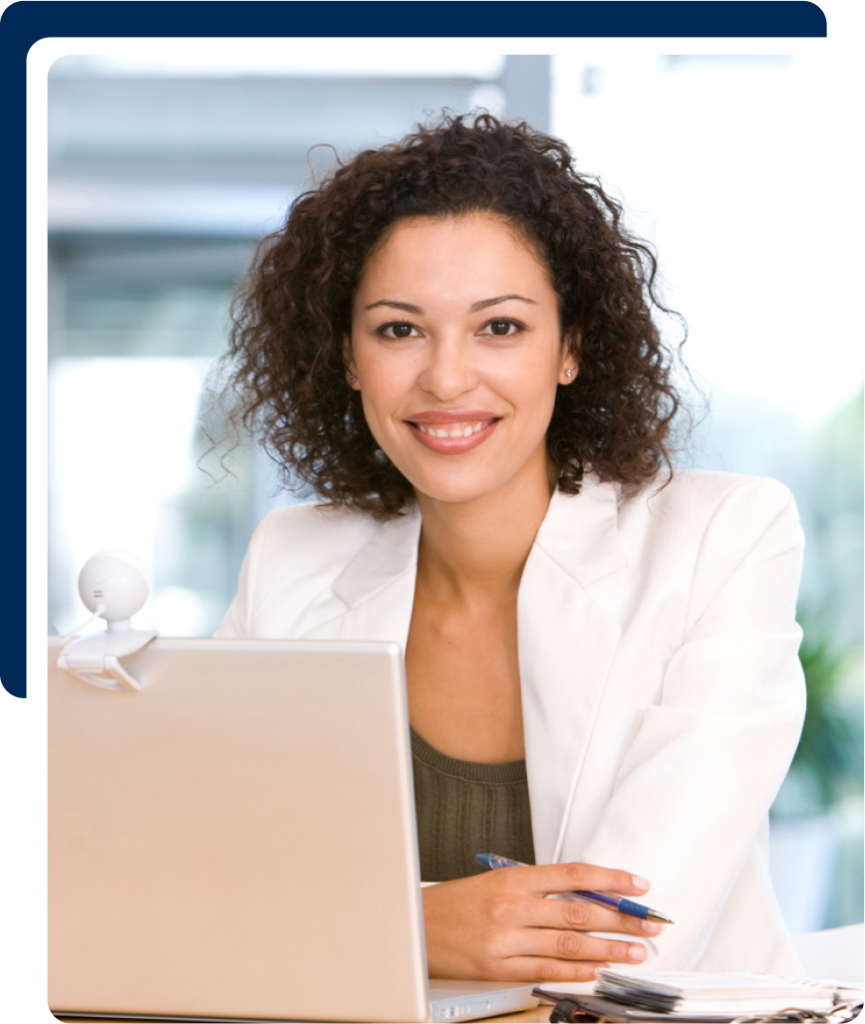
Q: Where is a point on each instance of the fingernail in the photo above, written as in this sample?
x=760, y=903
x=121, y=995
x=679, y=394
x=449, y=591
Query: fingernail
x=652, y=928
x=637, y=952
x=640, y=883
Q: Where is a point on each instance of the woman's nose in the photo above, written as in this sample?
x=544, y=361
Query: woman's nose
x=449, y=371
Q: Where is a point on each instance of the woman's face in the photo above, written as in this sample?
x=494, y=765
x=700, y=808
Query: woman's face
x=457, y=352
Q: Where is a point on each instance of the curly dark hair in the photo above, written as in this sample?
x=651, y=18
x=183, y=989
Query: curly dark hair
x=294, y=309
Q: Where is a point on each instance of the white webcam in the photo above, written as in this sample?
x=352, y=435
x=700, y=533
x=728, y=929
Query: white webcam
x=118, y=582
x=113, y=585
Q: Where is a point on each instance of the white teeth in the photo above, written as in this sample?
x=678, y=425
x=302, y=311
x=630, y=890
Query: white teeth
x=458, y=430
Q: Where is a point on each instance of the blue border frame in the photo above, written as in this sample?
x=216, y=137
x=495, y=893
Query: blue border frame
x=28, y=21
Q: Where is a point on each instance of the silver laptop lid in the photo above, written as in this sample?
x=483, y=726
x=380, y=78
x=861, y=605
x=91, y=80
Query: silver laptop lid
x=199, y=828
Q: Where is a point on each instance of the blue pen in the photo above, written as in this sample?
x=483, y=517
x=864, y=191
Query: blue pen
x=624, y=906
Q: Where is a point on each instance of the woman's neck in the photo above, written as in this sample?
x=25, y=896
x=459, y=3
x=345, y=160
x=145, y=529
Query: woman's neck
x=475, y=551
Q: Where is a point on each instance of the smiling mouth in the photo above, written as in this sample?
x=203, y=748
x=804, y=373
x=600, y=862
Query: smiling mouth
x=453, y=429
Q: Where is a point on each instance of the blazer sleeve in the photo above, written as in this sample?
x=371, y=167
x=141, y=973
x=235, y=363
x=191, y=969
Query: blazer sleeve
x=697, y=781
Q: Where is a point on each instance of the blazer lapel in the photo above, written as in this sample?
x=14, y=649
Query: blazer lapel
x=377, y=586
x=567, y=643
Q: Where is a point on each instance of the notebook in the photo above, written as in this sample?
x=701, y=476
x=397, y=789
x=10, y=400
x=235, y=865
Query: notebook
x=636, y=995
x=236, y=840
x=666, y=991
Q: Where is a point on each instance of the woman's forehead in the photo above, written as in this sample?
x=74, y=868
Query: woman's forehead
x=471, y=250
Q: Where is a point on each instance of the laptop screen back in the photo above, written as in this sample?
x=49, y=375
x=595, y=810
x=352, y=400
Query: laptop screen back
x=237, y=838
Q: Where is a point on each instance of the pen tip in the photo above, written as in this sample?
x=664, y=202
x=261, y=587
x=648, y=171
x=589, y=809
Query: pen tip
x=655, y=915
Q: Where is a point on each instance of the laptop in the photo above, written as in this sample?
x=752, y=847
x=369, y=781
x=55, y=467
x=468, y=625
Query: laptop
x=236, y=840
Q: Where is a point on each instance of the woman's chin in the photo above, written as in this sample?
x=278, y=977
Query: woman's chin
x=447, y=488
x=481, y=480
x=460, y=491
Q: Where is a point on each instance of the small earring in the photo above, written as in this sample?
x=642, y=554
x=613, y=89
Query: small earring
x=569, y=374
x=351, y=378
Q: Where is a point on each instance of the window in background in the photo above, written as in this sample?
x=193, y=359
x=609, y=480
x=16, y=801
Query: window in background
x=138, y=324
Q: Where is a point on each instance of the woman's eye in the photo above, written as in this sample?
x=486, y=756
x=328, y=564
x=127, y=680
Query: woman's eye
x=396, y=330
x=501, y=328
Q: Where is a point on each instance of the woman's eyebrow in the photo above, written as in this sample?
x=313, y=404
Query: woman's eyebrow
x=407, y=306
x=484, y=303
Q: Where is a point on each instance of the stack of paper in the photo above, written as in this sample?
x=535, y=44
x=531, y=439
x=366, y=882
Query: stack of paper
x=715, y=994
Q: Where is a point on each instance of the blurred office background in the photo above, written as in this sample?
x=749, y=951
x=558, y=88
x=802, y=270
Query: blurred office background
x=162, y=177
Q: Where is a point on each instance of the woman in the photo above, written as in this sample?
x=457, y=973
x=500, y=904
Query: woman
x=452, y=340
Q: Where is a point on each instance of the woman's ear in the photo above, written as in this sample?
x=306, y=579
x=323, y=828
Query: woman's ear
x=570, y=356
x=348, y=361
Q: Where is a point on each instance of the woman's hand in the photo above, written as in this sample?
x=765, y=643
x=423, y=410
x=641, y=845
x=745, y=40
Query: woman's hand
x=499, y=927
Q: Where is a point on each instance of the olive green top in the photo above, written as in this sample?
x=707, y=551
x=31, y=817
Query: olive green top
x=464, y=808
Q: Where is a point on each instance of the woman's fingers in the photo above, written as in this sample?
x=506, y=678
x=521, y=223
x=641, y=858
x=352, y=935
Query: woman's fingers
x=543, y=969
x=570, y=945
x=548, y=879
x=587, y=917
x=578, y=915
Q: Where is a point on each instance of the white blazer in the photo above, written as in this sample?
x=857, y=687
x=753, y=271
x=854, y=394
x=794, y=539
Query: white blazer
x=662, y=692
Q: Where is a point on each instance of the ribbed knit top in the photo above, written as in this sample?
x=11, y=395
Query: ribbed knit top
x=464, y=808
